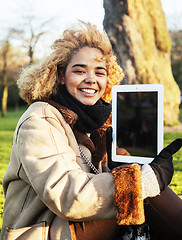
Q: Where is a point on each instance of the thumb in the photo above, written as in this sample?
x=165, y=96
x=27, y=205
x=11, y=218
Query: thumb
x=109, y=141
x=172, y=148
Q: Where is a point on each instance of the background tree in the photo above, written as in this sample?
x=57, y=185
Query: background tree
x=5, y=51
x=176, y=56
x=139, y=35
x=24, y=36
x=10, y=61
x=30, y=33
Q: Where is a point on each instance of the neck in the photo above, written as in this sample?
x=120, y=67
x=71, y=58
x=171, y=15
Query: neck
x=90, y=117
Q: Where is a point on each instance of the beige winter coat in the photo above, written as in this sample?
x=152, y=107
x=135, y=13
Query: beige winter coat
x=48, y=185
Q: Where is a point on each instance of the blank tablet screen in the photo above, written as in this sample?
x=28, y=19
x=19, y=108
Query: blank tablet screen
x=137, y=123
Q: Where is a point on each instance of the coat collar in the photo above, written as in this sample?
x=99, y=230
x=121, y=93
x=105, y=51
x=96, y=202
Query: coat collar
x=71, y=117
x=96, y=143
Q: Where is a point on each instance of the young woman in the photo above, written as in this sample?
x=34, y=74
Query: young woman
x=57, y=185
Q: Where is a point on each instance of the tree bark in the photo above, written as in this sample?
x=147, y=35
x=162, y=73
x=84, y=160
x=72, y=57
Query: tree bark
x=4, y=100
x=4, y=78
x=139, y=36
x=4, y=90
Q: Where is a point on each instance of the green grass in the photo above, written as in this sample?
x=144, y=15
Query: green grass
x=176, y=184
x=7, y=127
x=180, y=113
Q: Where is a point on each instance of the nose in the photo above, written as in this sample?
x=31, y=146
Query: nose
x=90, y=78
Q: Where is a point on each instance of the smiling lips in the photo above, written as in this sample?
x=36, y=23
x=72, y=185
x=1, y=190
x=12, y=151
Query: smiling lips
x=88, y=90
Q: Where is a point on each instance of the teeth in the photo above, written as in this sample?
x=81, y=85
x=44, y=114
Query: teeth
x=88, y=90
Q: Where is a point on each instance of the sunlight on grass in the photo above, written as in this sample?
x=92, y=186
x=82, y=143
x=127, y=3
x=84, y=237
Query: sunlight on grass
x=7, y=127
x=176, y=184
x=5, y=149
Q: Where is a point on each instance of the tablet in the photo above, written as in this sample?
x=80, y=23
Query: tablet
x=137, y=122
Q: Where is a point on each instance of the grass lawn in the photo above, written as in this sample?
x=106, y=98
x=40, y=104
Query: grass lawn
x=176, y=184
x=7, y=127
x=8, y=124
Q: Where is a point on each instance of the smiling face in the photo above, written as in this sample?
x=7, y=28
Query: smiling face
x=86, y=75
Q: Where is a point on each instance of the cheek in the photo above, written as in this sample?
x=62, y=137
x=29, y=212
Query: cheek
x=104, y=84
x=69, y=81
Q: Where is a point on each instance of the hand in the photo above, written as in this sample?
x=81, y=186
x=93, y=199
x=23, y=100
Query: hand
x=162, y=165
x=120, y=151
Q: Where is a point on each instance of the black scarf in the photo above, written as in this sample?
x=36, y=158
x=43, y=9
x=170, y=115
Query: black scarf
x=90, y=117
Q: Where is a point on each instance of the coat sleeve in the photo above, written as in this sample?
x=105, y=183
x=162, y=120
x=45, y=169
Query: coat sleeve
x=51, y=167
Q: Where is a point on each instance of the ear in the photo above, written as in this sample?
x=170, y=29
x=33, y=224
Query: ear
x=61, y=81
x=60, y=75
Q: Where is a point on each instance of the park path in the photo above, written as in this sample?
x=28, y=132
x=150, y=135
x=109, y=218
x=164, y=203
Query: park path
x=173, y=129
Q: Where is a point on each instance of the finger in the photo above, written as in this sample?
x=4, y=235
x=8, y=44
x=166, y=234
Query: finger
x=109, y=133
x=122, y=151
x=172, y=148
x=109, y=141
x=109, y=137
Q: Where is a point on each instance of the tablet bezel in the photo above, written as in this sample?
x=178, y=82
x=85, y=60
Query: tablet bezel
x=160, y=106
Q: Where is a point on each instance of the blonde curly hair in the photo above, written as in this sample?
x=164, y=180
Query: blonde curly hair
x=40, y=81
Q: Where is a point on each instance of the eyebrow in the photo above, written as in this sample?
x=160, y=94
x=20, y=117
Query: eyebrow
x=84, y=66
x=79, y=65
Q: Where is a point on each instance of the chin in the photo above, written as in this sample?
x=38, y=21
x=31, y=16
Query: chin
x=88, y=102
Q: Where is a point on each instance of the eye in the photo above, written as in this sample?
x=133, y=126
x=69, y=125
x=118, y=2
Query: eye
x=79, y=70
x=101, y=73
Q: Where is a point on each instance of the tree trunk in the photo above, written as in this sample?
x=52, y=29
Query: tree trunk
x=4, y=100
x=139, y=36
x=31, y=54
x=4, y=88
x=5, y=78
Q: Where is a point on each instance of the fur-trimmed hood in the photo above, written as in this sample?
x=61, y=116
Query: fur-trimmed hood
x=41, y=80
